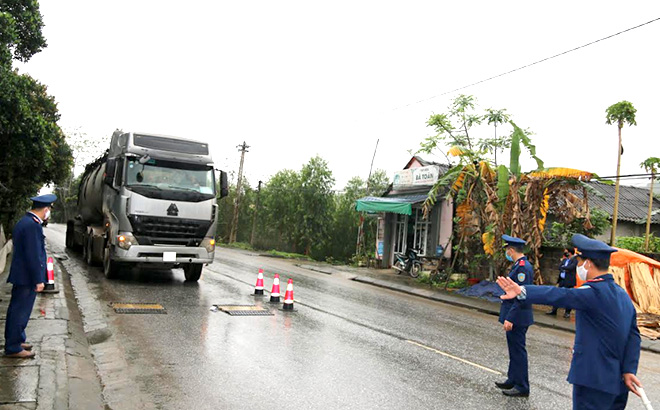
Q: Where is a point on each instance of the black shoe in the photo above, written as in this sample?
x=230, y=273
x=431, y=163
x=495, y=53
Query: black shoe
x=567, y=315
x=552, y=313
x=504, y=385
x=513, y=392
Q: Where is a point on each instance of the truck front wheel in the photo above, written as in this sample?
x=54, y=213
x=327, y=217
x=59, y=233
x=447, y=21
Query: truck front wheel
x=192, y=271
x=110, y=267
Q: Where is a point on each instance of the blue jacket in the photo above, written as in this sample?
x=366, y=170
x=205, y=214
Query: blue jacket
x=519, y=313
x=607, y=341
x=28, y=264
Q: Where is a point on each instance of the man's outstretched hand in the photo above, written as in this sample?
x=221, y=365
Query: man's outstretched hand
x=511, y=289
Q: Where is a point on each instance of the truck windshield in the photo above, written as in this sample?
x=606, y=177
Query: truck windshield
x=168, y=175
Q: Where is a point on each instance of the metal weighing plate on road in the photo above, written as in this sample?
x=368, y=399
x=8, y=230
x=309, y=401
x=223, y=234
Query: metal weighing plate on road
x=244, y=310
x=153, y=308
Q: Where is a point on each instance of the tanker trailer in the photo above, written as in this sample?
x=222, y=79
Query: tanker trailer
x=149, y=201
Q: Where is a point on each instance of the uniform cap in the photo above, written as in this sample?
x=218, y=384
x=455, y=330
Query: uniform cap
x=43, y=201
x=592, y=248
x=513, y=241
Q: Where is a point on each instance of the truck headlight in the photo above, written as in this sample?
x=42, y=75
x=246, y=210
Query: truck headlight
x=126, y=240
x=209, y=244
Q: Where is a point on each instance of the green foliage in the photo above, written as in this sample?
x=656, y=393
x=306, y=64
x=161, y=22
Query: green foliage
x=651, y=164
x=20, y=30
x=34, y=151
x=559, y=235
x=636, y=243
x=458, y=284
x=502, y=185
x=620, y=113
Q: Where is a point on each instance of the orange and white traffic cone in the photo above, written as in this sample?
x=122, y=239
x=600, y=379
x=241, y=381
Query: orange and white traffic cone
x=275, y=290
x=259, y=287
x=288, y=296
x=49, y=287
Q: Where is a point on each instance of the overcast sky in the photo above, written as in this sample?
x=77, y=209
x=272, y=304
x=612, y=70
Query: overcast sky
x=299, y=78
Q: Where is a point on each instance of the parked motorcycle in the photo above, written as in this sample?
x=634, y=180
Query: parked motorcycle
x=408, y=263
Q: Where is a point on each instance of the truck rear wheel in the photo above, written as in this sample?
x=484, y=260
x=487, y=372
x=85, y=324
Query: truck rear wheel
x=192, y=271
x=69, y=242
x=110, y=267
x=88, y=251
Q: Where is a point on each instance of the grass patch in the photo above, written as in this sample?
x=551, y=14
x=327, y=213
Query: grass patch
x=237, y=245
x=424, y=278
x=288, y=255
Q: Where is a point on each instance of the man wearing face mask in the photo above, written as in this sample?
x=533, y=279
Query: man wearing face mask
x=566, y=277
x=27, y=275
x=607, y=341
x=516, y=318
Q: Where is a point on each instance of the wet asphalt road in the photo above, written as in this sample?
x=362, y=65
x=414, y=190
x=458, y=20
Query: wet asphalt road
x=347, y=346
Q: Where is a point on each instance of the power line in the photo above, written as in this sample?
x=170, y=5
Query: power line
x=531, y=64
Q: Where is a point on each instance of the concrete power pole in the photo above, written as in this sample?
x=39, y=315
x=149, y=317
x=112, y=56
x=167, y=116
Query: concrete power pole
x=256, y=214
x=243, y=148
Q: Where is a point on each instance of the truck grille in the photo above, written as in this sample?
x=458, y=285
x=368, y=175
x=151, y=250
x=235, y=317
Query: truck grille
x=150, y=230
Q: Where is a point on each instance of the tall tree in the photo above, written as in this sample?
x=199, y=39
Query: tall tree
x=651, y=165
x=315, y=206
x=620, y=113
x=34, y=151
x=495, y=117
x=20, y=30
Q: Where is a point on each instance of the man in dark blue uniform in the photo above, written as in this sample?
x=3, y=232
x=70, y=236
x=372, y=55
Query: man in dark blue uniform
x=566, y=278
x=27, y=274
x=516, y=318
x=607, y=342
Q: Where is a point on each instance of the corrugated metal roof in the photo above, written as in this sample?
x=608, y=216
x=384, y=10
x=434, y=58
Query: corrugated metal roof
x=633, y=202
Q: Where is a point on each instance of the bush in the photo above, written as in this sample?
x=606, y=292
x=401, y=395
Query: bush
x=636, y=243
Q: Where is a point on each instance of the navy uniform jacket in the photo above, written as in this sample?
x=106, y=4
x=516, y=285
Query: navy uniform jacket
x=519, y=313
x=568, y=267
x=28, y=264
x=607, y=341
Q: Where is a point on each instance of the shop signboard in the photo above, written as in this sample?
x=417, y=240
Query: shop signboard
x=421, y=176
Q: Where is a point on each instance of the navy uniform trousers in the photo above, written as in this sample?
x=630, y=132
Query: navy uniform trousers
x=518, y=372
x=18, y=315
x=585, y=398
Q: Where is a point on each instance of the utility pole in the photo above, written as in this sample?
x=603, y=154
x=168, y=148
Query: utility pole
x=256, y=214
x=360, y=239
x=243, y=148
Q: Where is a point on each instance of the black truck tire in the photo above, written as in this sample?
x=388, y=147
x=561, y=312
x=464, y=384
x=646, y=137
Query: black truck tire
x=192, y=271
x=110, y=267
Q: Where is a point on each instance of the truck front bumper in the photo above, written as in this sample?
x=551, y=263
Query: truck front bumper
x=154, y=254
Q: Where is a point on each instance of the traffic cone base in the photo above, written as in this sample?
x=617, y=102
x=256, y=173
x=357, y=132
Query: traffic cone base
x=275, y=290
x=49, y=286
x=259, y=287
x=288, y=297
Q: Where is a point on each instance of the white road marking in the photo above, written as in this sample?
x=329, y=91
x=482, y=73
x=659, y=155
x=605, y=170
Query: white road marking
x=454, y=357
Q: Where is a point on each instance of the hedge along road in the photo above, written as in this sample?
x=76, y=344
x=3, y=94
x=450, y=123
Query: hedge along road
x=347, y=345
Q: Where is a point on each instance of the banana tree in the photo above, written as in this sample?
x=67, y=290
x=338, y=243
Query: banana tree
x=493, y=201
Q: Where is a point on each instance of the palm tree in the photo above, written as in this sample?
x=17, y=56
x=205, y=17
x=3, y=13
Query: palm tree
x=619, y=113
x=650, y=165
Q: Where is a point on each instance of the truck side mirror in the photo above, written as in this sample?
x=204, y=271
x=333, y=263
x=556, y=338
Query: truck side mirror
x=109, y=175
x=224, y=186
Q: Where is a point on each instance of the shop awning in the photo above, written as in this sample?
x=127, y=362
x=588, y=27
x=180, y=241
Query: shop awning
x=397, y=205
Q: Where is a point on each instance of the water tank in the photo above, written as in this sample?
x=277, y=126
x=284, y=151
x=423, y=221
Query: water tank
x=90, y=195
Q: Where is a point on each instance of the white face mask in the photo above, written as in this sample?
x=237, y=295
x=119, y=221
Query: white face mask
x=582, y=272
x=47, y=215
